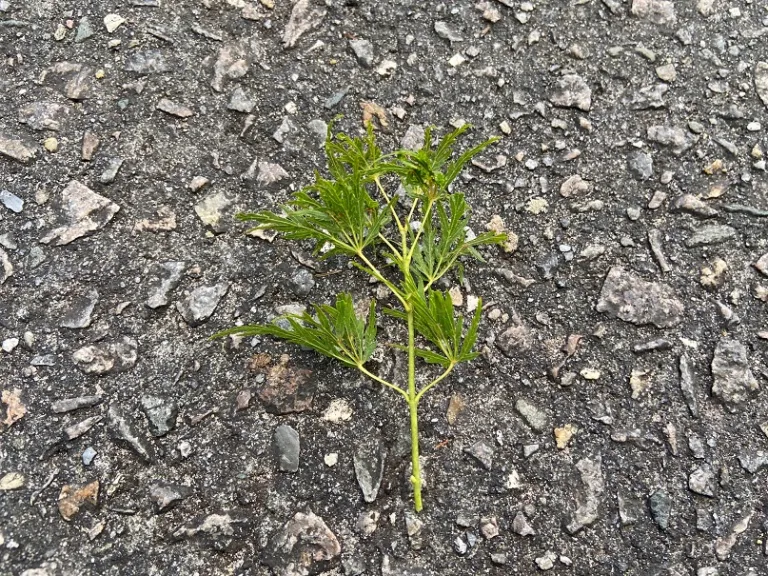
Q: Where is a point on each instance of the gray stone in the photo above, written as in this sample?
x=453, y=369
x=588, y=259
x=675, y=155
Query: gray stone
x=761, y=81
x=160, y=413
x=88, y=455
x=733, y=381
x=710, y=234
x=43, y=115
x=11, y=201
x=165, y=277
x=671, y=136
x=687, y=385
x=239, y=101
x=534, y=416
x=123, y=431
x=107, y=357
x=84, y=30
x=80, y=81
x=270, y=173
x=691, y=204
x=165, y=496
x=232, y=62
x=629, y=510
x=482, y=453
x=286, y=448
x=319, y=129
x=211, y=211
x=702, y=481
x=147, y=62
x=303, y=546
x=660, y=505
x=661, y=12
x=521, y=526
x=303, y=18
x=174, y=108
x=413, y=139
x=753, y=462
x=16, y=150
x=110, y=173
x=217, y=531
x=445, y=31
x=640, y=165
x=571, y=91
x=82, y=212
x=201, y=303
x=591, y=471
x=369, y=460
x=286, y=128
x=70, y=404
x=628, y=297
x=302, y=282
x=78, y=314
x=363, y=51
x=761, y=265
x=6, y=267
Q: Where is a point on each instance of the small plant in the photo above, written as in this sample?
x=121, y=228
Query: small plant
x=407, y=243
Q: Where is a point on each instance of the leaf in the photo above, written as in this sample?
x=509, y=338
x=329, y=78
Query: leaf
x=333, y=331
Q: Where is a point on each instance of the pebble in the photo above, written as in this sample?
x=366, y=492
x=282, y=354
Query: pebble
x=73, y=497
x=363, y=51
x=90, y=145
x=304, y=545
x=123, y=431
x=166, y=496
x=667, y=72
x=174, y=109
x=9, y=345
x=201, y=303
x=211, y=211
x=691, y=204
x=113, y=167
x=521, y=526
x=564, y=435
x=107, y=357
x=88, y=455
x=369, y=461
x=270, y=173
x=687, y=384
x=164, y=278
x=733, y=382
x=761, y=81
x=240, y=101
x=571, y=91
x=482, y=453
x=660, y=505
x=533, y=415
x=702, y=481
x=629, y=298
x=640, y=165
x=43, y=115
x=160, y=413
x=78, y=313
x=16, y=150
x=84, y=30
x=547, y=561
x=304, y=17
x=286, y=447
x=761, y=265
x=11, y=201
x=710, y=234
x=672, y=137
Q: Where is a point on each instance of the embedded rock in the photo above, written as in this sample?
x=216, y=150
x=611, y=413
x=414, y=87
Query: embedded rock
x=82, y=212
x=628, y=297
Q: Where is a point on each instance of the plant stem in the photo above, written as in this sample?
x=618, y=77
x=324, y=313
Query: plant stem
x=413, y=407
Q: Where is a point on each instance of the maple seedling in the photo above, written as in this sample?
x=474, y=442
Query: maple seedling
x=407, y=241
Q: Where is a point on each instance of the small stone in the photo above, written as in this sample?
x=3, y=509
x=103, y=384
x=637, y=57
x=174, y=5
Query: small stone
x=489, y=527
x=302, y=282
x=367, y=522
x=239, y=101
x=72, y=498
x=657, y=200
x=521, y=526
x=710, y=234
x=11, y=201
x=331, y=459
x=107, y=357
x=457, y=60
x=11, y=481
x=9, y=345
x=482, y=453
x=590, y=374
x=455, y=406
x=88, y=456
x=363, y=51
x=667, y=72
x=270, y=173
x=673, y=137
x=287, y=389
x=640, y=165
x=338, y=411
x=702, y=481
x=761, y=81
x=165, y=277
x=546, y=562
x=286, y=448
x=123, y=431
x=78, y=314
x=51, y=144
x=639, y=381
x=84, y=30
x=571, y=91
x=113, y=167
x=660, y=504
x=687, y=384
x=16, y=150
x=369, y=460
x=304, y=17
x=761, y=265
x=534, y=416
x=165, y=496
x=304, y=545
x=563, y=436
x=713, y=275
x=575, y=186
x=211, y=210
x=201, y=303
x=689, y=203
x=733, y=379
x=631, y=299
x=174, y=109
x=661, y=12
x=90, y=145
x=160, y=413
x=113, y=21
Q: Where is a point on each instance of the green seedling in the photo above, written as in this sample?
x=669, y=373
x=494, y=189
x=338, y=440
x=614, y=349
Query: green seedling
x=407, y=242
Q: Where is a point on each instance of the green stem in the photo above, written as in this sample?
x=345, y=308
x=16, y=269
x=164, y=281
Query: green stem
x=413, y=407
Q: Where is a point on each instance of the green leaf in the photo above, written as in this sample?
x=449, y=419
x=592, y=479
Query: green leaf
x=333, y=331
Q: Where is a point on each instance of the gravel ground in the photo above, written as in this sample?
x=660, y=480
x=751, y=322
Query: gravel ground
x=615, y=422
